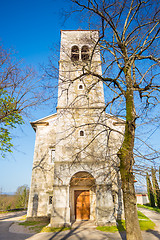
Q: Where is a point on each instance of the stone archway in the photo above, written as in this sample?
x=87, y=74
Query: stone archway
x=82, y=196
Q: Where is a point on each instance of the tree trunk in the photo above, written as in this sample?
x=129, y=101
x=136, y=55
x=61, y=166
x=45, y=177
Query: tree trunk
x=125, y=155
x=150, y=191
x=156, y=190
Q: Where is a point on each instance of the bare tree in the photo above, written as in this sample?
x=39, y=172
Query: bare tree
x=22, y=194
x=20, y=90
x=130, y=32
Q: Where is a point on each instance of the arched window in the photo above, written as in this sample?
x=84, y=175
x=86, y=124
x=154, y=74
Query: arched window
x=81, y=133
x=75, y=53
x=80, y=87
x=50, y=199
x=85, y=53
x=52, y=155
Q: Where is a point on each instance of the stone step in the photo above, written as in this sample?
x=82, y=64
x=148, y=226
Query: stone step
x=85, y=224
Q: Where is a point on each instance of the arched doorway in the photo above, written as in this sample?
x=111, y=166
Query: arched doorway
x=82, y=196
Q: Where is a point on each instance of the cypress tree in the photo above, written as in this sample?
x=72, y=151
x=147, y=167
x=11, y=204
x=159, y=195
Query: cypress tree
x=156, y=190
x=150, y=191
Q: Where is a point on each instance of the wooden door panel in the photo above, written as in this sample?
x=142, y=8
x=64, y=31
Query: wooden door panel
x=82, y=204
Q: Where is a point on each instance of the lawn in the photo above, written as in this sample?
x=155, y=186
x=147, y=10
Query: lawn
x=156, y=209
x=36, y=226
x=119, y=227
x=144, y=222
x=41, y=226
x=51, y=229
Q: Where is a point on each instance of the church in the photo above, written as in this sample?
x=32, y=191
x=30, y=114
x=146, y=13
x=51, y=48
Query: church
x=75, y=174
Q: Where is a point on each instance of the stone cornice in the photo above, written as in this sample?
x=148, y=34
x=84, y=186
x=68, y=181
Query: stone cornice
x=80, y=108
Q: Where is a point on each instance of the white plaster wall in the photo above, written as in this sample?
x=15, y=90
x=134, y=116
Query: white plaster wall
x=142, y=199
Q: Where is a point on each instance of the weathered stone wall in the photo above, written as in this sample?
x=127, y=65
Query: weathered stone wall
x=83, y=110
x=84, y=137
x=43, y=169
x=69, y=94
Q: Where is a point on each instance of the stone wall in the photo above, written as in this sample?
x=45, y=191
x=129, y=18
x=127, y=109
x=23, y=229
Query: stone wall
x=84, y=137
x=43, y=168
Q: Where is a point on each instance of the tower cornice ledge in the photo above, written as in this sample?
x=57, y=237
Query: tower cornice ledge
x=80, y=107
x=79, y=61
x=80, y=30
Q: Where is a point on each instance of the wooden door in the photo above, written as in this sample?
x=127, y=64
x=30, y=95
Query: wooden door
x=82, y=204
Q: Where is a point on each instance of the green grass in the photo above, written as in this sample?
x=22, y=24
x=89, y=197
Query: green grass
x=2, y=212
x=23, y=218
x=120, y=227
x=41, y=226
x=29, y=223
x=156, y=209
x=37, y=226
x=142, y=216
x=144, y=222
x=111, y=229
x=146, y=225
x=51, y=229
x=10, y=211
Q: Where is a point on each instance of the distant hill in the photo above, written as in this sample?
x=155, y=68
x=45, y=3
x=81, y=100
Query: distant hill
x=7, y=193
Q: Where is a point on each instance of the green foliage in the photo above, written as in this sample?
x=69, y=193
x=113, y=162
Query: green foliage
x=9, y=207
x=150, y=191
x=19, y=91
x=22, y=196
x=156, y=189
x=9, y=118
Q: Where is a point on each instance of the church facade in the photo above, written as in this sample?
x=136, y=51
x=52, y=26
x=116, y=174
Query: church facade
x=75, y=168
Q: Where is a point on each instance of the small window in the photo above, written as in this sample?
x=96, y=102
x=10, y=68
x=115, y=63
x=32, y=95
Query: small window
x=80, y=87
x=75, y=53
x=81, y=133
x=85, y=53
x=52, y=155
x=50, y=199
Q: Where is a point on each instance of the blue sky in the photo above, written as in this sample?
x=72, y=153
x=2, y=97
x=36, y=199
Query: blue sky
x=32, y=27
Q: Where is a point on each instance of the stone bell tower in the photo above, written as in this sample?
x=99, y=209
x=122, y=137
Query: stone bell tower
x=77, y=55
x=75, y=149
x=80, y=169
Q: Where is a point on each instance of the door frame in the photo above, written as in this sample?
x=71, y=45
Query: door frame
x=72, y=204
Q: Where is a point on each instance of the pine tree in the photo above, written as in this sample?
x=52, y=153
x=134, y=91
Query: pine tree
x=156, y=190
x=150, y=191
